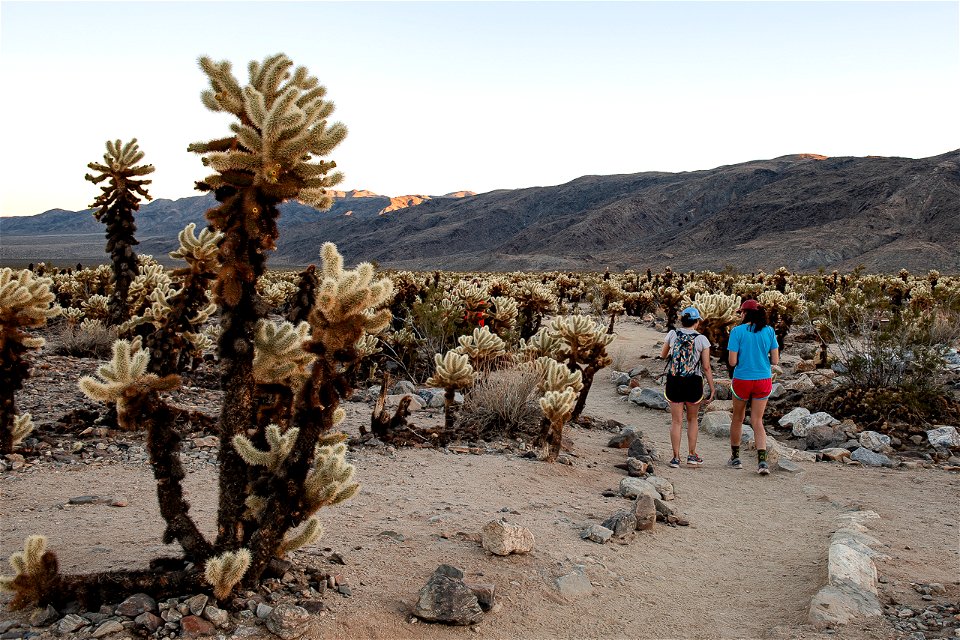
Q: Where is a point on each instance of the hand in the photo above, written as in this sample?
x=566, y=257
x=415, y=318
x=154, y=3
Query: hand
x=713, y=393
x=776, y=369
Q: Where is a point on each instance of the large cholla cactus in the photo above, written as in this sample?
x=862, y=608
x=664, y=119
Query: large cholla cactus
x=482, y=347
x=585, y=345
x=453, y=371
x=781, y=310
x=115, y=208
x=26, y=302
x=267, y=509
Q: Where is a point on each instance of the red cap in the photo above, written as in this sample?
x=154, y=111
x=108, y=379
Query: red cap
x=749, y=305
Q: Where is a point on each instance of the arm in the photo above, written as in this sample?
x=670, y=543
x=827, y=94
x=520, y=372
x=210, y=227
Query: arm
x=775, y=357
x=708, y=372
x=732, y=358
x=665, y=350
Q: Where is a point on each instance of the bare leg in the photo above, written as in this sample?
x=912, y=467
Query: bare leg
x=676, y=425
x=693, y=426
x=757, y=407
x=736, y=423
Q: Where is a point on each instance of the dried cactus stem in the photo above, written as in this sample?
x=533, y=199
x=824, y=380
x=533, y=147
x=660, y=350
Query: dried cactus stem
x=13, y=371
x=550, y=439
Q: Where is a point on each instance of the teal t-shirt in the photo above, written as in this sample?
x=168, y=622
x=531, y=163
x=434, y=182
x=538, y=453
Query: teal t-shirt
x=753, y=351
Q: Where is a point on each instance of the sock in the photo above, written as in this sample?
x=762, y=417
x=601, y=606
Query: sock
x=735, y=451
x=761, y=455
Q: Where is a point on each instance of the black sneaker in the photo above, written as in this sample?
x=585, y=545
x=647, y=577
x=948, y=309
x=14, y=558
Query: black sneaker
x=735, y=463
x=675, y=463
x=763, y=469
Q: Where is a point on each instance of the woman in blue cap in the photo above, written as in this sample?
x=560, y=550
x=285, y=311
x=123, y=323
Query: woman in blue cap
x=689, y=360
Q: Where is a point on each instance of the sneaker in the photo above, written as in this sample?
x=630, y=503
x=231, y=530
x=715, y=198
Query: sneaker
x=694, y=460
x=735, y=463
x=763, y=469
x=675, y=463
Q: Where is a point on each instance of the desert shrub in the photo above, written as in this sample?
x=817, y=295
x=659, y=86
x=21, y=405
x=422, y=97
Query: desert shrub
x=502, y=403
x=88, y=339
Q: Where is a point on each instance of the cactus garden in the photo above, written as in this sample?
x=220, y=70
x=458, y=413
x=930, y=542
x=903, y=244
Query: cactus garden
x=227, y=449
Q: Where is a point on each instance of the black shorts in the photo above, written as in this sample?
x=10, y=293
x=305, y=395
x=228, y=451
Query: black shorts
x=684, y=389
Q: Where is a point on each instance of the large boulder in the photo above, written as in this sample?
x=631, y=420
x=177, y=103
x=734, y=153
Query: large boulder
x=650, y=398
x=874, y=441
x=445, y=598
x=802, y=426
x=944, y=436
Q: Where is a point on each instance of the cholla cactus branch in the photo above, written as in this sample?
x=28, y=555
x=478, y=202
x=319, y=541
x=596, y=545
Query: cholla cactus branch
x=309, y=534
x=280, y=443
x=22, y=427
x=36, y=573
x=225, y=571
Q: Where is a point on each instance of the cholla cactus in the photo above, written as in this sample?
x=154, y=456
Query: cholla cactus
x=614, y=309
x=280, y=443
x=306, y=293
x=96, y=307
x=585, y=349
x=502, y=315
x=781, y=309
x=72, y=315
x=225, y=571
x=22, y=427
x=453, y=371
x=125, y=380
x=542, y=343
x=482, y=347
x=330, y=481
x=35, y=573
x=560, y=387
x=26, y=302
x=669, y=299
x=119, y=200
x=533, y=301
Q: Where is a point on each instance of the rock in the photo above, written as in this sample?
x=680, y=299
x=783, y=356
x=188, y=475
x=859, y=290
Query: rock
x=639, y=451
x=777, y=391
x=802, y=384
x=15, y=461
x=135, y=605
x=641, y=370
x=651, y=398
x=944, y=436
x=197, y=603
x=574, y=585
x=416, y=402
x=108, y=628
x=263, y=610
x=403, y=387
x=206, y=442
x=623, y=390
x=805, y=365
x=874, y=441
x=596, y=533
x=621, y=523
x=719, y=405
x=219, y=617
x=802, y=426
x=723, y=386
x=789, y=466
x=43, y=617
x=835, y=453
x=791, y=418
x=716, y=423
x=623, y=440
x=663, y=486
x=871, y=458
x=645, y=511
x=445, y=598
x=917, y=439
x=436, y=399
x=70, y=623
x=484, y=592
x=88, y=500
x=633, y=487
x=288, y=621
x=503, y=538
x=839, y=605
x=620, y=378
x=824, y=436
x=636, y=468
x=171, y=615
x=149, y=621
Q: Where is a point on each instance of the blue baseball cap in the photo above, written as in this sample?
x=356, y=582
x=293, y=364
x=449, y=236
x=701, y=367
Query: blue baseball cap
x=691, y=312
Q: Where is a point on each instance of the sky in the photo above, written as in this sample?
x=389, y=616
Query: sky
x=449, y=96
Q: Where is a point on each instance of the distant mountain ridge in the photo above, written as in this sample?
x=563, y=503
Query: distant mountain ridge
x=802, y=211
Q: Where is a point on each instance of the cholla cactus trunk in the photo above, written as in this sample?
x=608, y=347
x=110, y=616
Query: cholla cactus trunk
x=306, y=294
x=117, y=204
x=13, y=371
x=588, y=373
x=168, y=344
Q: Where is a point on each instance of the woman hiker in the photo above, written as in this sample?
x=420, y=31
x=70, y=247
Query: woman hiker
x=689, y=353
x=753, y=352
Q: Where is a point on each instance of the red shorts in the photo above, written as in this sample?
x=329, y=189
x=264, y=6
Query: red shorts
x=752, y=389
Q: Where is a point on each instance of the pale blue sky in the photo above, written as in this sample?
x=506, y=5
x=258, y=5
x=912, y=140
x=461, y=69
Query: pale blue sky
x=443, y=96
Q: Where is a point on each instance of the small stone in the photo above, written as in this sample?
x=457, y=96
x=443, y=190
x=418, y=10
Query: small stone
x=70, y=623
x=135, y=605
x=149, y=621
x=43, y=617
x=789, y=466
x=195, y=627
x=503, y=538
x=197, y=603
x=636, y=468
x=874, y=441
x=217, y=616
x=574, y=585
x=871, y=458
x=263, y=610
x=393, y=535
x=623, y=440
x=663, y=486
x=88, y=500
x=633, y=487
x=446, y=598
x=650, y=398
x=108, y=628
x=596, y=533
x=835, y=453
x=171, y=615
x=621, y=523
x=944, y=436
x=344, y=590
x=289, y=622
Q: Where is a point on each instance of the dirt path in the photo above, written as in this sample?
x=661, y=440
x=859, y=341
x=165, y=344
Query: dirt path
x=746, y=567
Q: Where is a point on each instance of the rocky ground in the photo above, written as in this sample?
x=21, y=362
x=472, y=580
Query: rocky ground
x=752, y=553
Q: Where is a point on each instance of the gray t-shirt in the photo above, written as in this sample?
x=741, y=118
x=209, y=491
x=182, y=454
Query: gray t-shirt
x=699, y=344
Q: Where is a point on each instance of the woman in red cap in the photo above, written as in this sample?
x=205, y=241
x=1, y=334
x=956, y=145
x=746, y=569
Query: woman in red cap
x=753, y=350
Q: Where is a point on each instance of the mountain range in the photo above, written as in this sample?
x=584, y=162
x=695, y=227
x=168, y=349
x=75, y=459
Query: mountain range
x=801, y=211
